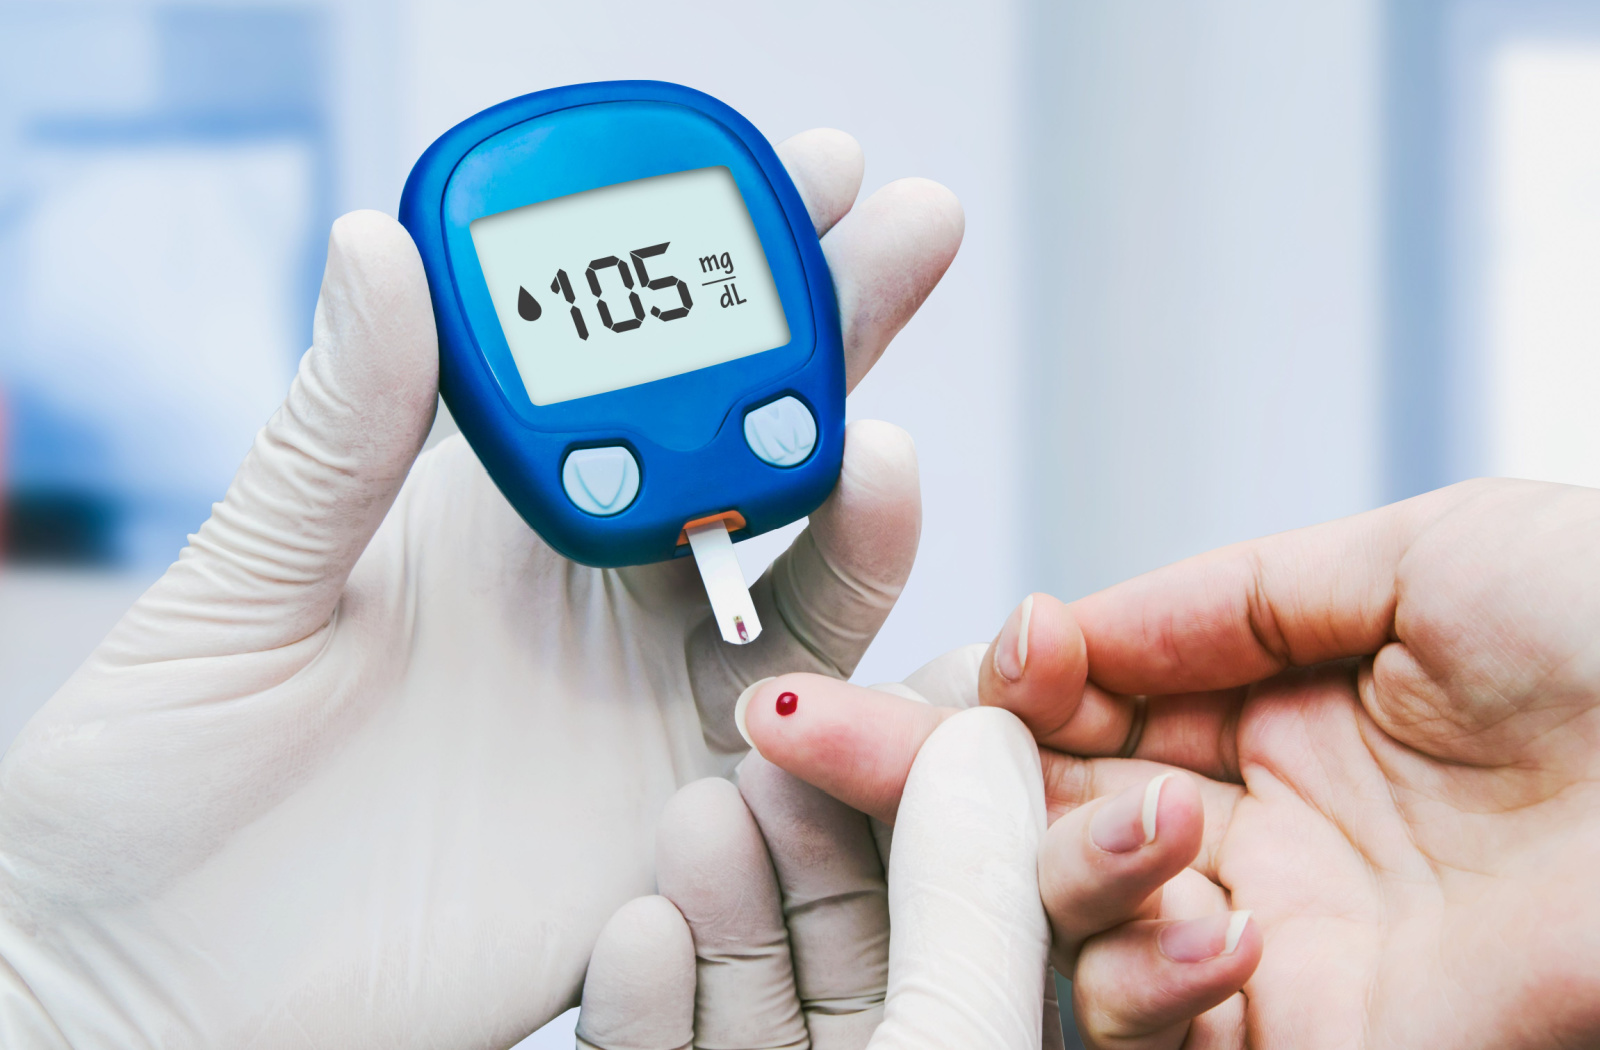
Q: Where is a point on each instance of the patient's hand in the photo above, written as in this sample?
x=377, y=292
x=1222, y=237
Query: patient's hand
x=1393, y=724
x=1112, y=867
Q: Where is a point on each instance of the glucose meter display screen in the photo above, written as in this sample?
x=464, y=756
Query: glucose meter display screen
x=625, y=284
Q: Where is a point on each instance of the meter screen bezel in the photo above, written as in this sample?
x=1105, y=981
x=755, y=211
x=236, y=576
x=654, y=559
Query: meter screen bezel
x=599, y=144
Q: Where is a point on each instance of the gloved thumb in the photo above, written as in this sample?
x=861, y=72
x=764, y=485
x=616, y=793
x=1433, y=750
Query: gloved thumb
x=268, y=567
x=970, y=940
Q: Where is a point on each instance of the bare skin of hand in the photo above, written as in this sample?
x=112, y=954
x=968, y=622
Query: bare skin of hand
x=1391, y=728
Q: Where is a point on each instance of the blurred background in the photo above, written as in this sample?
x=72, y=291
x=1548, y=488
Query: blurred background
x=1231, y=266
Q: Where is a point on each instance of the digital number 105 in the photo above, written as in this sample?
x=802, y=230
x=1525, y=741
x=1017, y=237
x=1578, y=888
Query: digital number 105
x=529, y=310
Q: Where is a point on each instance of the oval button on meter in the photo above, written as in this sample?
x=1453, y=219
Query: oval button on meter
x=782, y=433
x=601, y=481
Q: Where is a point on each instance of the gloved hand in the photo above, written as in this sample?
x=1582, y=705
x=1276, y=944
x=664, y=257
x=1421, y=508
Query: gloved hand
x=710, y=962
x=370, y=765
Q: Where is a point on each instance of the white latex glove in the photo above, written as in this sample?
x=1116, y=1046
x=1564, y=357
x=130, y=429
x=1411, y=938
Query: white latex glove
x=965, y=965
x=370, y=765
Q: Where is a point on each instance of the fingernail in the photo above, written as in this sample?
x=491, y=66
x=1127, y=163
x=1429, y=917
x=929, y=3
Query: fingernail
x=1152, y=805
x=1128, y=821
x=1196, y=940
x=743, y=706
x=1236, y=924
x=1011, y=651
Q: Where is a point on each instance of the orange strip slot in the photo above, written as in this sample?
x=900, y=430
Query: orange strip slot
x=734, y=519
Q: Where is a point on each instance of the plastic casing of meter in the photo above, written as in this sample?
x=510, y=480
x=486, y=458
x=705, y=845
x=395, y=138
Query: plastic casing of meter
x=685, y=431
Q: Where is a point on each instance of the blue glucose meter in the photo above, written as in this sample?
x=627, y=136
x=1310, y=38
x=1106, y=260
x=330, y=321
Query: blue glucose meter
x=637, y=329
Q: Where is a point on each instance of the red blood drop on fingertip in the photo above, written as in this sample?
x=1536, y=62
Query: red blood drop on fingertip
x=787, y=702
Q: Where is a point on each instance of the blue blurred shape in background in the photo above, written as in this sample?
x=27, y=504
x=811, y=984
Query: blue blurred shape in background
x=165, y=188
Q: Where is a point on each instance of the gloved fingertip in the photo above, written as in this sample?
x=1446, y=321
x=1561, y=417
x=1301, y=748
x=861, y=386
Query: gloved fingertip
x=375, y=296
x=647, y=927
x=355, y=231
x=826, y=165
x=877, y=454
x=944, y=220
x=639, y=989
x=886, y=257
x=366, y=247
x=872, y=522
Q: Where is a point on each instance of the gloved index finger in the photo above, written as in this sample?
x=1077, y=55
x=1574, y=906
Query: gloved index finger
x=639, y=991
x=712, y=865
x=835, y=902
x=886, y=256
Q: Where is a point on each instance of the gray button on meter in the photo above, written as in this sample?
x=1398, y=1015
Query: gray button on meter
x=782, y=432
x=601, y=481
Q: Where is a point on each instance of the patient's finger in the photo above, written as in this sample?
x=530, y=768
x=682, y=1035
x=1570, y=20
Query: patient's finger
x=1105, y=862
x=1071, y=782
x=639, y=991
x=835, y=901
x=712, y=864
x=1139, y=986
x=1037, y=668
x=858, y=745
x=1189, y=895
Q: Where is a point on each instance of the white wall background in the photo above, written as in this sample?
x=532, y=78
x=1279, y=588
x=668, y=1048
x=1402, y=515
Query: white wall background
x=1203, y=211
x=1540, y=317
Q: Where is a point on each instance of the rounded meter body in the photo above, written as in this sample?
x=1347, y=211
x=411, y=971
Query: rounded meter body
x=637, y=328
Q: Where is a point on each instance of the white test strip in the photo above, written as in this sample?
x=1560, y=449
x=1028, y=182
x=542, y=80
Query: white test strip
x=719, y=568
